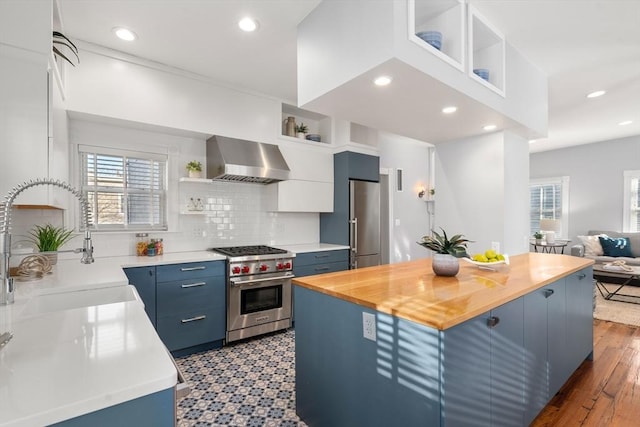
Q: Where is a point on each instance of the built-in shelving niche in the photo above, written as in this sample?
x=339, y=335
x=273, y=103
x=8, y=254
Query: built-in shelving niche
x=316, y=123
x=445, y=16
x=486, y=51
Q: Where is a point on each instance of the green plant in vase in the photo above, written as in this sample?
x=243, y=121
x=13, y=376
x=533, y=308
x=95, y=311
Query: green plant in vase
x=302, y=130
x=48, y=238
x=194, y=168
x=447, y=251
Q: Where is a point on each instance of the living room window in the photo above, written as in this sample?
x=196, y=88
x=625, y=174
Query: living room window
x=126, y=190
x=631, y=209
x=549, y=199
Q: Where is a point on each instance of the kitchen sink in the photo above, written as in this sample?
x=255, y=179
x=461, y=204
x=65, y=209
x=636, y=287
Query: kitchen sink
x=48, y=303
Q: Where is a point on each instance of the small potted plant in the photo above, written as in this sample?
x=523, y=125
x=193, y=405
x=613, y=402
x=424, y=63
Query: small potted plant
x=447, y=251
x=48, y=238
x=195, y=169
x=538, y=236
x=302, y=130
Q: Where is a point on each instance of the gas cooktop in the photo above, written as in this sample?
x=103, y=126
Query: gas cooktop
x=256, y=250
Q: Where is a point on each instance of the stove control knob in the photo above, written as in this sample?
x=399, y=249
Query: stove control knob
x=235, y=270
x=280, y=266
x=245, y=269
x=287, y=265
x=263, y=267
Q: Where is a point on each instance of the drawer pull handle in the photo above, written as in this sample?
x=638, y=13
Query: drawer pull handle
x=581, y=276
x=193, y=319
x=321, y=256
x=193, y=285
x=548, y=292
x=321, y=269
x=493, y=321
x=202, y=267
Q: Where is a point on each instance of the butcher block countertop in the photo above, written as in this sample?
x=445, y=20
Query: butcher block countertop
x=410, y=290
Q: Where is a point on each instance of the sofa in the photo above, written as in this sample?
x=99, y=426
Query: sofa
x=590, y=246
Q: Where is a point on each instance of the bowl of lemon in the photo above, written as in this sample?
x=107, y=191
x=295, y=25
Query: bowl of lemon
x=488, y=258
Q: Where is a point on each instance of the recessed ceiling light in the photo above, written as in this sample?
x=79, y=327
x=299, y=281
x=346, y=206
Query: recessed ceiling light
x=449, y=110
x=382, y=80
x=596, y=94
x=248, y=24
x=626, y=122
x=124, y=34
x=489, y=127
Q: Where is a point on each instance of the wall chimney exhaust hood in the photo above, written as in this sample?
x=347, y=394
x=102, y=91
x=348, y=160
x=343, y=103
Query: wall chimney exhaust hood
x=239, y=160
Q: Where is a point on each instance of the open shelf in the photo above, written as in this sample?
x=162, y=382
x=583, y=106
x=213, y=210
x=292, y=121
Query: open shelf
x=486, y=51
x=316, y=123
x=445, y=16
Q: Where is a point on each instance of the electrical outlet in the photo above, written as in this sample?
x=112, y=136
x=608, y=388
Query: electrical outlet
x=495, y=246
x=369, y=326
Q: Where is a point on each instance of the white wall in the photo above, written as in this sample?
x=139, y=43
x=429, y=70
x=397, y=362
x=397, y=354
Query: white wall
x=596, y=180
x=412, y=156
x=480, y=187
x=235, y=213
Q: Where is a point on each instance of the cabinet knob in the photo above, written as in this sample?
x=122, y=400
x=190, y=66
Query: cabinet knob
x=493, y=321
x=548, y=292
x=581, y=276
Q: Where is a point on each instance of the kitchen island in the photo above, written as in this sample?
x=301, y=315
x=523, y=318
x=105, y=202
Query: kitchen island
x=482, y=348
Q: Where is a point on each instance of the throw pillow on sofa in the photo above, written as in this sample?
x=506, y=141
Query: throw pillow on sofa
x=616, y=246
x=592, y=246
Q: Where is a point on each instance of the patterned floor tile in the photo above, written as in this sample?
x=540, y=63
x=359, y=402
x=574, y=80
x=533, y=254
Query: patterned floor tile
x=251, y=383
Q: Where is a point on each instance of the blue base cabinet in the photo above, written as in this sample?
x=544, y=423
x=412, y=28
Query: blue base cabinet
x=499, y=368
x=185, y=302
x=310, y=263
x=153, y=410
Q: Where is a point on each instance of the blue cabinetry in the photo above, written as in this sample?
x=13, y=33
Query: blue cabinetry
x=185, y=302
x=482, y=367
x=310, y=263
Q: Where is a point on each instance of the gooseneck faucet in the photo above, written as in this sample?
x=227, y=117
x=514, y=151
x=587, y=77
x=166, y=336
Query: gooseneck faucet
x=7, y=292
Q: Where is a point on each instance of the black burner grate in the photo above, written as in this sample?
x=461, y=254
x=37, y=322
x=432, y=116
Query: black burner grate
x=237, y=251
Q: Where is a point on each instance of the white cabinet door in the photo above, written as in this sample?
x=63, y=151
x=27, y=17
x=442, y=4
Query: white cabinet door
x=23, y=122
x=300, y=196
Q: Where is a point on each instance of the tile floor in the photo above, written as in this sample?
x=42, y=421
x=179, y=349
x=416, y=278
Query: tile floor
x=250, y=383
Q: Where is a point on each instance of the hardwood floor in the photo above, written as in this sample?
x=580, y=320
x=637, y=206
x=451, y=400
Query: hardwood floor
x=605, y=391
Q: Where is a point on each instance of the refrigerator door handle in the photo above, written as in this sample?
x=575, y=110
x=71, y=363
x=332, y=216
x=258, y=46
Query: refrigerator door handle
x=354, y=241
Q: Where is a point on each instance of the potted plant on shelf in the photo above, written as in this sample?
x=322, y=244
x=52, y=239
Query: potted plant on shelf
x=447, y=251
x=538, y=236
x=195, y=169
x=302, y=130
x=48, y=238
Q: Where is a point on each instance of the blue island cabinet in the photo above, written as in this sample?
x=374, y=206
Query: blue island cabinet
x=153, y=410
x=499, y=368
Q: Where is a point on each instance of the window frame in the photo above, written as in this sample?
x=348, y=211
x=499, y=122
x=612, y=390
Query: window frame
x=84, y=149
x=628, y=199
x=563, y=181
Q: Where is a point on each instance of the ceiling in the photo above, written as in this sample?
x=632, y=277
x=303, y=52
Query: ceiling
x=582, y=46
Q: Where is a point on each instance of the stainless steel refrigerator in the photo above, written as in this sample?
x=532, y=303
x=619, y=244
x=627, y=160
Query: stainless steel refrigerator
x=364, y=223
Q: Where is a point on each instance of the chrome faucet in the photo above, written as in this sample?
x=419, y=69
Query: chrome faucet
x=7, y=292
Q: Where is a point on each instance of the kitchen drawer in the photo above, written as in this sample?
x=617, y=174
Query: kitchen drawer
x=180, y=295
x=191, y=270
x=321, y=257
x=309, y=270
x=192, y=327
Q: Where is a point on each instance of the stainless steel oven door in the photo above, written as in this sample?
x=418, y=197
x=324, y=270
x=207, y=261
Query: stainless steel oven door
x=257, y=300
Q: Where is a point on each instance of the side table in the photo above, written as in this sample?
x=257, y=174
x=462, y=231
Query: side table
x=550, y=248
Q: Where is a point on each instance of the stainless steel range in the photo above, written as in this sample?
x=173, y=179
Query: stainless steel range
x=258, y=290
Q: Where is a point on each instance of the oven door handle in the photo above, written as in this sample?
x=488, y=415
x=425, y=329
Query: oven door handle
x=236, y=282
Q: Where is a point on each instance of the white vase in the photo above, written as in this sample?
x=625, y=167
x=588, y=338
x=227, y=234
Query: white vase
x=195, y=174
x=550, y=236
x=445, y=265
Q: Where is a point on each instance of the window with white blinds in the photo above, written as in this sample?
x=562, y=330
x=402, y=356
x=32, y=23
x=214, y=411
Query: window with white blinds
x=126, y=190
x=549, y=199
x=631, y=208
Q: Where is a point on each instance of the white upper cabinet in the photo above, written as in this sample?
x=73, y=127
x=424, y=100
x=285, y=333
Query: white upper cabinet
x=339, y=58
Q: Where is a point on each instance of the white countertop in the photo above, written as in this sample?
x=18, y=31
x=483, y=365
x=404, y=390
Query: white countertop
x=63, y=364
x=312, y=247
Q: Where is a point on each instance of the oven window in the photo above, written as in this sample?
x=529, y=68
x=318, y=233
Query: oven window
x=260, y=299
